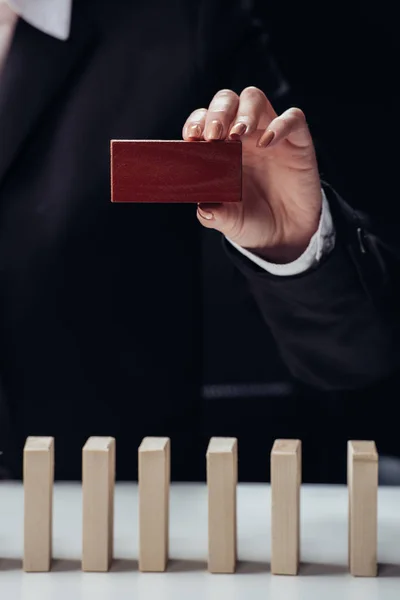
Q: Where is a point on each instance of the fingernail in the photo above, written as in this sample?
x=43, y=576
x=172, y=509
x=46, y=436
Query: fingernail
x=194, y=131
x=266, y=139
x=205, y=213
x=214, y=130
x=238, y=129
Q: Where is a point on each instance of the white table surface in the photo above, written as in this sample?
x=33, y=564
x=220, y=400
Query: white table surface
x=323, y=574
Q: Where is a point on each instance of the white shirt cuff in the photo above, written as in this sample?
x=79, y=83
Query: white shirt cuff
x=321, y=243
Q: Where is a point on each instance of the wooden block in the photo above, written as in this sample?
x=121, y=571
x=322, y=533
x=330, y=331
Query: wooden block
x=362, y=480
x=285, y=507
x=222, y=519
x=98, y=482
x=154, y=483
x=38, y=475
x=176, y=171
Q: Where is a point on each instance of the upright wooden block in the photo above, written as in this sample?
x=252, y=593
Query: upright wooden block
x=98, y=482
x=222, y=465
x=285, y=507
x=154, y=483
x=38, y=474
x=176, y=171
x=362, y=480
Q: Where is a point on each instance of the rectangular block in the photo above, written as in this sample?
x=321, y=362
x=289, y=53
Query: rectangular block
x=176, y=171
x=38, y=476
x=222, y=474
x=154, y=484
x=362, y=480
x=98, y=483
x=285, y=507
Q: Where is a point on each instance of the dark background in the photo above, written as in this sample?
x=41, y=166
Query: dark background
x=341, y=61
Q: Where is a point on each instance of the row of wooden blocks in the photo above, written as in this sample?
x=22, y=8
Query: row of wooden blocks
x=98, y=478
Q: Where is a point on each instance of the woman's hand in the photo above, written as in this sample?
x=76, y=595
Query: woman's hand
x=281, y=196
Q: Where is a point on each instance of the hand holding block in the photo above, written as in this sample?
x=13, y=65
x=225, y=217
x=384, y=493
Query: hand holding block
x=98, y=481
x=38, y=503
x=154, y=481
x=222, y=519
x=362, y=478
x=285, y=507
x=176, y=171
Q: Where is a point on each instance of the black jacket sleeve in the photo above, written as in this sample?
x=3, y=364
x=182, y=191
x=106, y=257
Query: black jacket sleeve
x=336, y=326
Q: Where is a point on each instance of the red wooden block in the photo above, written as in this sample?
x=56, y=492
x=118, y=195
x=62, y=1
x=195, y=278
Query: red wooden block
x=176, y=171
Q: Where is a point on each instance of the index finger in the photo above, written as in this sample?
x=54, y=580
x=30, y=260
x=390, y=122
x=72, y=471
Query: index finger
x=220, y=114
x=193, y=129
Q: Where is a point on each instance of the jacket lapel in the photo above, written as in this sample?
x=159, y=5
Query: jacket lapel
x=37, y=66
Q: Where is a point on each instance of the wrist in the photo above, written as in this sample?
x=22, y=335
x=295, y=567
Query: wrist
x=284, y=253
x=292, y=240
x=286, y=249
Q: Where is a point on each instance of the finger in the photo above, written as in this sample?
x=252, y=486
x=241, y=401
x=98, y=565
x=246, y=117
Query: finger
x=254, y=111
x=221, y=112
x=218, y=216
x=291, y=126
x=206, y=214
x=193, y=129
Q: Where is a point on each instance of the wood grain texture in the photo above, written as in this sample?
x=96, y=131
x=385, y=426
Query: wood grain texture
x=362, y=480
x=38, y=475
x=222, y=465
x=98, y=483
x=176, y=171
x=285, y=507
x=154, y=483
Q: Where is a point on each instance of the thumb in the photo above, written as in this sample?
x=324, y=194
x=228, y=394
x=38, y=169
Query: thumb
x=221, y=217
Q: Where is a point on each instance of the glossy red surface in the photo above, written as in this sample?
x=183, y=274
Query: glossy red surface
x=176, y=171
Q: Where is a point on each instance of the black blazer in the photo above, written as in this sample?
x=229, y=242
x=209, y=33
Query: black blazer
x=100, y=309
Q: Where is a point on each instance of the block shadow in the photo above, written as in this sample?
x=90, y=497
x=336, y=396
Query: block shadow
x=10, y=564
x=119, y=565
x=177, y=565
x=124, y=565
x=252, y=567
x=305, y=569
x=388, y=570
x=319, y=569
x=65, y=565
